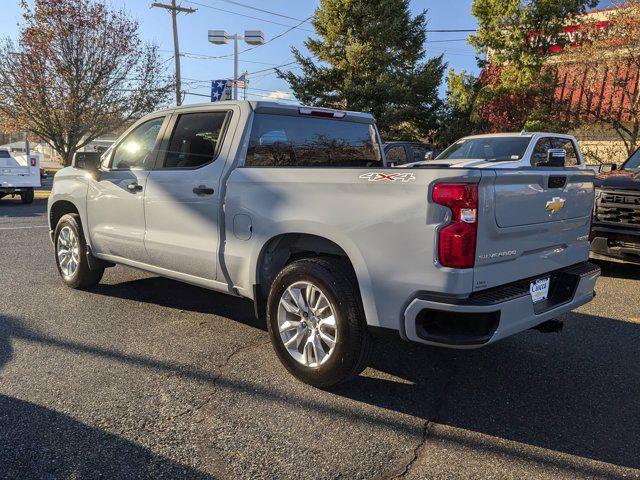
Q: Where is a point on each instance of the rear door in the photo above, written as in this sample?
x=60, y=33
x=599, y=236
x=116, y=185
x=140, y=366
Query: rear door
x=532, y=221
x=183, y=194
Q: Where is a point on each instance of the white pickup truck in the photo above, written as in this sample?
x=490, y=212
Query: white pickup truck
x=19, y=177
x=510, y=150
x=295, y=208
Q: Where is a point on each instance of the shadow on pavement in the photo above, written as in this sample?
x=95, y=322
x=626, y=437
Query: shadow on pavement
x=37, y=442
x=620, y=270
x=579, y=398
x=13, y=208
x=172, y=294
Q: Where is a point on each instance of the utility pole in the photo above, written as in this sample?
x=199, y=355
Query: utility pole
x=176, y=49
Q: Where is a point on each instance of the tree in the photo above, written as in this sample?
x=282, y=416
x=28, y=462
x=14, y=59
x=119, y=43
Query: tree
x=458, y=119
x=77, y=70
x=517, y=36
x=370, y=57
x=607, y=65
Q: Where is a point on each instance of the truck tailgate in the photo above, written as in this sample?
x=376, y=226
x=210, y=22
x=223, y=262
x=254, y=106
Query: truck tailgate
x=531, y=221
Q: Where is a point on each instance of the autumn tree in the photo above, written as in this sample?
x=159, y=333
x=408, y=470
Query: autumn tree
x=370, y=56
x=514, y=39
x=606, y=63
x=77, y=70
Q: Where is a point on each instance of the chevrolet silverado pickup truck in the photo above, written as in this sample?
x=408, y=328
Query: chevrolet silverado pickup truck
x=294, y=208
x=615, y=235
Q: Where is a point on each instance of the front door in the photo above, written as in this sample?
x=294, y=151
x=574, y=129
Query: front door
x=183, y=195
x=115, y=199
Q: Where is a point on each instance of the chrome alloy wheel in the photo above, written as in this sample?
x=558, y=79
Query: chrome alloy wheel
x=68, y=249
x=307, y=324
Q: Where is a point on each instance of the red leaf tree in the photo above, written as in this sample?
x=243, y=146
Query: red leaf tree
x=78, y=70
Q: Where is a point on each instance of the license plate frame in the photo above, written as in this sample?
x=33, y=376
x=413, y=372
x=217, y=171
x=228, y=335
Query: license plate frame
x=539, y=289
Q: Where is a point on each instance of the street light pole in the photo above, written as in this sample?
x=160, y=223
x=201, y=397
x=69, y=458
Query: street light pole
x=220, y=37
x=176, y=49
x=235, y=66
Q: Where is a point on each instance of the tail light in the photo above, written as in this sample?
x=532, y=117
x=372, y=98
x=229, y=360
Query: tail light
x=33, y=161
x=457, y=240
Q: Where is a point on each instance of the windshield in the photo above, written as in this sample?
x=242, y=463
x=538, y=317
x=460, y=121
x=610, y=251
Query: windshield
x=633, y=163
x=491, y=149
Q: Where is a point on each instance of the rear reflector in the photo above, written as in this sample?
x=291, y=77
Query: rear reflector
x=457, y=240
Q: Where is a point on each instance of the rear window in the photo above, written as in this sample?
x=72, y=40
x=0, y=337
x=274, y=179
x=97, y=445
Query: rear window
x=297, y=141
x=491, y=149
x=4, y=154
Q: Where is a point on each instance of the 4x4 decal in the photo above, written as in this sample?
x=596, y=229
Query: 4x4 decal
x=388, y=177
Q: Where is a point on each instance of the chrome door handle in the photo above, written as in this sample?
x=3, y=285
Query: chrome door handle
x=134, y=187
x=202, y=190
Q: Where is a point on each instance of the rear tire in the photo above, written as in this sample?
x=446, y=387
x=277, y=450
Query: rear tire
x=72, y=254
x=339, y=346
x=27, y=196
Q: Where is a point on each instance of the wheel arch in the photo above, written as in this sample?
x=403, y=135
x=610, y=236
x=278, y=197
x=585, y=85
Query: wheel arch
x=284, y=248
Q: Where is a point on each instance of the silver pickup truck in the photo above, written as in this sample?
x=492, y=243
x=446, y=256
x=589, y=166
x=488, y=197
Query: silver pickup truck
x=294, y=208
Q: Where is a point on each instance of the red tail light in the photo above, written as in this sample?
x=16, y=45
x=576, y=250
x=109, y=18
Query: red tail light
x=457, y=240
x=33, y=162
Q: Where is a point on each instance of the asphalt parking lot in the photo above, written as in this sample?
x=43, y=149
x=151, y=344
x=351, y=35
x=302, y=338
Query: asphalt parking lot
x=144, y=377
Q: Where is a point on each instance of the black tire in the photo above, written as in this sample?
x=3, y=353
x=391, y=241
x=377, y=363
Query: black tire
x=27, y=196
x=84, y=276
x=351, y=352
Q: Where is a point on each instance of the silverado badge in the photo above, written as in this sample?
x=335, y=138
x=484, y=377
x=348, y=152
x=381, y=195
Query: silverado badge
x=555, y=204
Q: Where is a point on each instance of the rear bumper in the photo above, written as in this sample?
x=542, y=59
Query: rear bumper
x=491, y=315
x=615, y=244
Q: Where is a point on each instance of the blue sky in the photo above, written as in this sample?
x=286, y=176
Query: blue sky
x=155, y=25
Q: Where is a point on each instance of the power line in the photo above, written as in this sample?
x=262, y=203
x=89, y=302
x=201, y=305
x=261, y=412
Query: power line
x=243, y=15
x=446, y=41
x=232, y=2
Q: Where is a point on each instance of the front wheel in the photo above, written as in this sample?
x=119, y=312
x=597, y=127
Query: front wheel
x=316, y=324
x=71, y=254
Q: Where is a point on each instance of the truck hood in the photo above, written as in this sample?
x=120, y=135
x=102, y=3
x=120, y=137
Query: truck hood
x=619, y=179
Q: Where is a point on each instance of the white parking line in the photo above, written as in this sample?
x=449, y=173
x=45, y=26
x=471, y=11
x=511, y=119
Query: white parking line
x=22, y=228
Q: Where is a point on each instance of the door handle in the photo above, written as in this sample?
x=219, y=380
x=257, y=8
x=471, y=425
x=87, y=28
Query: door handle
x=202, y=190
x=134, y=187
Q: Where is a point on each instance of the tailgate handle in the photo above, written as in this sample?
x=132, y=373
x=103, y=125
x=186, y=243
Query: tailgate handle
x=557, y=181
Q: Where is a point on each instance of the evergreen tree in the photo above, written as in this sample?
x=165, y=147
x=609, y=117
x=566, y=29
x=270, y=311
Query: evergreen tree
x=369, y=56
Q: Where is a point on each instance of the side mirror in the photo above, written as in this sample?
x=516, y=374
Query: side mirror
x=556, y=157
x=428, y=155
x=86, y=161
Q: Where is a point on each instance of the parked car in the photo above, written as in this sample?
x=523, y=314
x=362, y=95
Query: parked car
x=17, y=178
x=399, y=153
x=615, y=234
x=242, y=198
x=510, y=150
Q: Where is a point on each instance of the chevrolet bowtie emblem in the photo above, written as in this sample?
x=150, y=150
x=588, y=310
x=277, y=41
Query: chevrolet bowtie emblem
x=555, y=204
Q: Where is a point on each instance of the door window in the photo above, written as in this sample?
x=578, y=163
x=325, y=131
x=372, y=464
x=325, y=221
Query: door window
x=539, y=155
x=135, y=150
x=567, y=145
x=418, y=153
x=397, y=155
x=195, y=140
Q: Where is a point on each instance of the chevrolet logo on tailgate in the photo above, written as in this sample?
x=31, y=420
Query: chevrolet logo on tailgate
x=555, y=204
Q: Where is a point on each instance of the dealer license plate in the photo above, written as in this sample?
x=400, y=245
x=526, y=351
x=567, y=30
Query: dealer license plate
x=540, y=289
